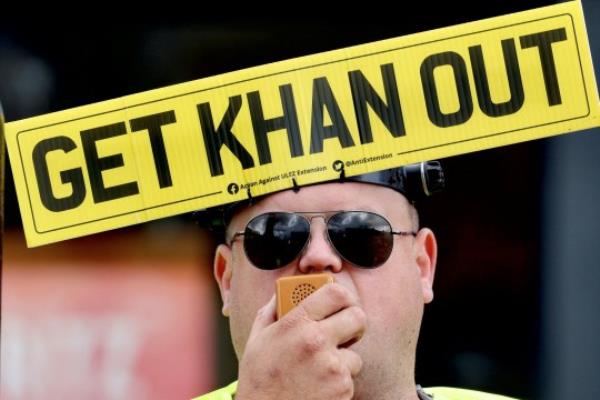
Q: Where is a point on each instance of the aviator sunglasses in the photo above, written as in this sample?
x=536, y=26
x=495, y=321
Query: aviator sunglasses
x=275, y=239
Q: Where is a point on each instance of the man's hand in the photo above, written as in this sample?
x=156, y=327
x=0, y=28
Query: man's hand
x=302, y=356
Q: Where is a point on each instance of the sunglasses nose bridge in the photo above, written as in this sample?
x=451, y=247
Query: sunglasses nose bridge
x=317, y=227
x=318, y=253
x=324, y=230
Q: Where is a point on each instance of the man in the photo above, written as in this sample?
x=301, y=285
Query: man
x=352, y=339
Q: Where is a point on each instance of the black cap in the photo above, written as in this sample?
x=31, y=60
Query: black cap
x=414, y=181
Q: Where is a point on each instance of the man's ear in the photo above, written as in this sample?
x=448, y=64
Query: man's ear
x=426, y=257
x=222, y=270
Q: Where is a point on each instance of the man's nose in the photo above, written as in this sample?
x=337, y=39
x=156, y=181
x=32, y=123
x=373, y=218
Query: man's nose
x=319, y=255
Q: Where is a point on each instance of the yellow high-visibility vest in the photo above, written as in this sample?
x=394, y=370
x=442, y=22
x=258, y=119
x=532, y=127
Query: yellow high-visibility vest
x=440, y=393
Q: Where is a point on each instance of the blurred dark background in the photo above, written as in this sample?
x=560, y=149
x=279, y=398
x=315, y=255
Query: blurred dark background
x=518, y=281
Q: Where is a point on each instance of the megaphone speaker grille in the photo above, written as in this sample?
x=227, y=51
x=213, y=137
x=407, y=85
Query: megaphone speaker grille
x=301, y=292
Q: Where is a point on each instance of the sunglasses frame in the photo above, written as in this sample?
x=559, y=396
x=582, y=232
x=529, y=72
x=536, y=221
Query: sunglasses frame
x=326, y=215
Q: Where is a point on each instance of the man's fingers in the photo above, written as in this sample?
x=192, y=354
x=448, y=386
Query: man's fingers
x=326, y=301
x=345, y=325
x=351, y=360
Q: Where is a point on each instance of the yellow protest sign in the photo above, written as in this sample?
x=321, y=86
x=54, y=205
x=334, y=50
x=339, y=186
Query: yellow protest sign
x=203, y=143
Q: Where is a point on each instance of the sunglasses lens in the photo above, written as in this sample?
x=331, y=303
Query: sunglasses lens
x=361, y=237
x=273, y=240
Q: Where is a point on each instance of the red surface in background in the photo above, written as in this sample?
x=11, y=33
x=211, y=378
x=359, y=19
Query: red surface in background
x=100, y=319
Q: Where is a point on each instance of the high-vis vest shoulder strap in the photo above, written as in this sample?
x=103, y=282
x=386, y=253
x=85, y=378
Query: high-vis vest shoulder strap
x=225, y=393
x=446, y=393
x=439, y=393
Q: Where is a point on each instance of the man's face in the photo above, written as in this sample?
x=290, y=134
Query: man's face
x=392, y=295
